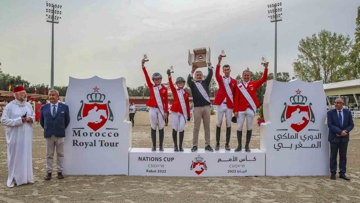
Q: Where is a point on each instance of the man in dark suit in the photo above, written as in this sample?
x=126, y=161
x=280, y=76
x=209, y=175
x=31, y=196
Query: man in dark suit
x=200, y=92
x=54, y=118
x=340, y=124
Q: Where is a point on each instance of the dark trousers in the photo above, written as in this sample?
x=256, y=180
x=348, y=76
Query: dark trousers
x=132, y=115
x=336, y=147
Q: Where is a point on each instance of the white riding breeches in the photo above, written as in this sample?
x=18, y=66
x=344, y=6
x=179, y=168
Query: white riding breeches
x=156, y=118
x=249, y=115
x=178, y=121
x=221, y=110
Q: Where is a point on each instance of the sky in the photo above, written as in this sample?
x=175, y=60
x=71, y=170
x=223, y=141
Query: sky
x=109, y=38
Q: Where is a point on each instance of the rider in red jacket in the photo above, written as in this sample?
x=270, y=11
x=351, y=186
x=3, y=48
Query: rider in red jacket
x=180, y=110
x=158, y=103
x=224, y=100
x=246, y=103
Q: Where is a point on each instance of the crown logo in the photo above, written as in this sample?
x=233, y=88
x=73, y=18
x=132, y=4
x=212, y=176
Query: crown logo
x=298, y=98
x=96, y=96
x=199, y=159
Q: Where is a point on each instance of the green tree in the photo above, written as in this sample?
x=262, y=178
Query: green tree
x=353, y=68
x=323, y=57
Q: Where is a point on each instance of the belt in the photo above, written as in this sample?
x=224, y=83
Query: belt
x=224, y=102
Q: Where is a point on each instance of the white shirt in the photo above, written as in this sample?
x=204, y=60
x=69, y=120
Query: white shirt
x=132, y=109
x=52, y=106
x=342, y=115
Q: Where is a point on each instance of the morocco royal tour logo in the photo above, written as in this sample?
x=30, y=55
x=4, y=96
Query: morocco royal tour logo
x=198, y=164
x=95, y=113
x=298, y=115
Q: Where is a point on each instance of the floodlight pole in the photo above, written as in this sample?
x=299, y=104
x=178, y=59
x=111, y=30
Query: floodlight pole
x=52, y=51
x=53, y=19
x=275, y=8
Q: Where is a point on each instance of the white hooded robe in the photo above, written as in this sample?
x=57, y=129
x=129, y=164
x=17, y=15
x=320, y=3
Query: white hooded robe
x=19, y=142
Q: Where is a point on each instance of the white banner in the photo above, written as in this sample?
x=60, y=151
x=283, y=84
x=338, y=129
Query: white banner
x=98, y=138
x=143, y=162
x=294, y=135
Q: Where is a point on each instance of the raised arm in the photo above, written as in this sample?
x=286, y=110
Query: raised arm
x=148, y=81
x=190, y=82
x=210, y=74
x=264, y=76
x=6, y=121
x=217, y=71
x=171, y=84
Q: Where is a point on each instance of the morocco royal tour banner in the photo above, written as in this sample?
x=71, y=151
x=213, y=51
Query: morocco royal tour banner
x=294, y=136
x=97, y=139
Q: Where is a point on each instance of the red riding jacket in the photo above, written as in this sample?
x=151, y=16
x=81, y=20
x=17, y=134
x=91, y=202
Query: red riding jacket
x=163, y=93
x=176, y=106
x=241, y=103
x=222, y=94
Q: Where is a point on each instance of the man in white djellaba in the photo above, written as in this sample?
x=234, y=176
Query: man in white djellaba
x=18, y=117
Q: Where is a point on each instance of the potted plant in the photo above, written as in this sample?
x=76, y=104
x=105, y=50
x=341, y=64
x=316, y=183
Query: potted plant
x=261, y=116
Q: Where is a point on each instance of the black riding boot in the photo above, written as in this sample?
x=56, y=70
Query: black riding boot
x=161, y=139
x=228, y=131
x=239, y=137
x=217, y=147
x=248, y=137
x=174, y=135
x=181, y=135
x=153, y=139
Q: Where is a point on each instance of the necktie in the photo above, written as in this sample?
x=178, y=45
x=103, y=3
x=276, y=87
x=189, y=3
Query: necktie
x=340, y=118
x=54, y=111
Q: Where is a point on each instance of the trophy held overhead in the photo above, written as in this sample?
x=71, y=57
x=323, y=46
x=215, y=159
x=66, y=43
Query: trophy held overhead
x=200, y=57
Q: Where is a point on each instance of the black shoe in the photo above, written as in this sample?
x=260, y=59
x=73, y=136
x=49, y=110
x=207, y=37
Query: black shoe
x=239, y=139
x=161, y=139
x=60, y=176
x=248, y=138
x=217, y=146
x=343, y=176
x=228, y=131
x=194, y=149
x=181, y=139
x=208, y=148
x=48, y=176
x=153, y=139
x=174, y=135
x=227, y=147
x=333, y=177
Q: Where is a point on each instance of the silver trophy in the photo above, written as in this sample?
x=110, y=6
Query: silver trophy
x=171, y=69
x=263, y=60
x=223, y=53
x=145, y=58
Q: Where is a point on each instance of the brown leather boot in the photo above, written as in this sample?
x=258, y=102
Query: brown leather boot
x=60, y=176
x=48, y=176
